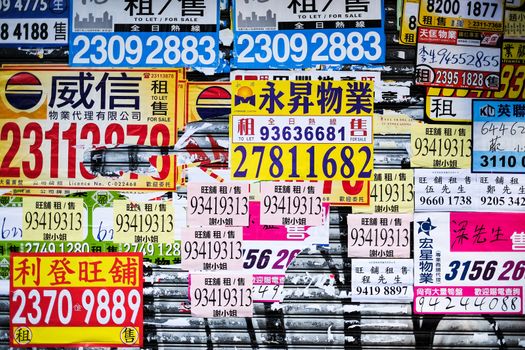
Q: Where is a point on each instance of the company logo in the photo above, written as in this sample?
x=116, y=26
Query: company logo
x=487, y=111
x=244, y=95
x=23, y=91
x=214, y=101
x=425, y=227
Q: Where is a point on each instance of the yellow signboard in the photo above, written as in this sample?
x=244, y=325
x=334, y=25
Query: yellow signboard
x=53, y=219
x=87, y=129
x=392, y=191
x=440, y=146
x=143, y=222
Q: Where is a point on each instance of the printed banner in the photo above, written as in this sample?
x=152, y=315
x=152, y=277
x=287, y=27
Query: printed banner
x=154, y=34
x=379, y=235
x=299, y=98
x=474, y=15
x=279, y=34
x=382, y=280
x=461, y=190
x=440, y=146
x=392, y=192
x=498, y=136
x=76, y=300
x=88, y=129
x=458, y=271
x=34, y=23
x=460, y=59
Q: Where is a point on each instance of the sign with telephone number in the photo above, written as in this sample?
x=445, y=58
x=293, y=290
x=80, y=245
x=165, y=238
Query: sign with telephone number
x=469, y=263
x=154, y=34
x=460, y=59
x=472, y=15
x=76, y=300
x=34, y=23
x=280, y=34
x=498, y=136
x=87, y=129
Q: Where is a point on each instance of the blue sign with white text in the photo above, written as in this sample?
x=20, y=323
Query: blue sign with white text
x=146, y=33
x=34, y=23
x=498, y=136
x=302, y=34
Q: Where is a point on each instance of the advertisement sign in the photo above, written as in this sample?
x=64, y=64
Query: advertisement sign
x=212, y=249
x=392, y=191
x=461, y=190
x=221, y=294
x=461, y=59
x=34, y=23
x=278, y=34
x=474, y=15
x=76, y=300
x=154, y=34
x=382, y=280
x=295, y=204
x=83, y=129
x=498, y=136
x=469, y=263
x=440, y=146
x=379, y=235
x=455, y=105
x=213, y=204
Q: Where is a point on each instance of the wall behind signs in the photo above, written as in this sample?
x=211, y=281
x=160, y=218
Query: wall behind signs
x=317, y=312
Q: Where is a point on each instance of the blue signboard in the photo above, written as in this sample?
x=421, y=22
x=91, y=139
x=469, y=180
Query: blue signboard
x=301, y=34
x=34, y=23
x=144, y=33
x=498, y=136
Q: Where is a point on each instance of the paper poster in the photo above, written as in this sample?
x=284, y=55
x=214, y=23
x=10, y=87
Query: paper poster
x=382, y=280
x=379, y=235
x=458, y=271
x=75, y=300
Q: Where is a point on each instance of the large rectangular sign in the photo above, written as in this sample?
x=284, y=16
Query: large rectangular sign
x=469, y=263
x=87, y=129
x=149, y=34
x=76, y=300
x=284, y=34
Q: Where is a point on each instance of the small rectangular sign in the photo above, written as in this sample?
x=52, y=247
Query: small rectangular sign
x=221, y=294
x=292, y=204
x=440, y=146
x=218, y=204
x=382, y=280
x=379, y=235
x=498, y=136
x=461, y=59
